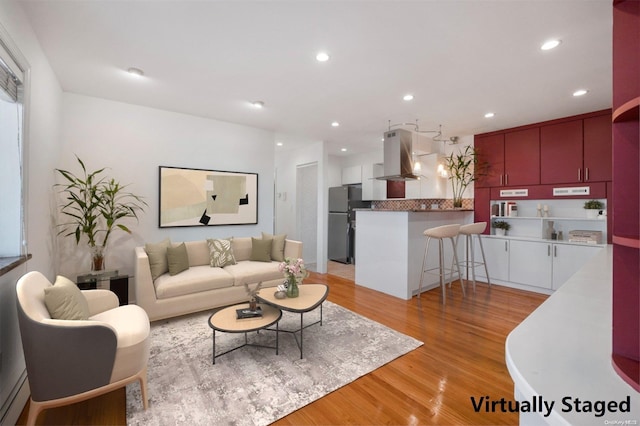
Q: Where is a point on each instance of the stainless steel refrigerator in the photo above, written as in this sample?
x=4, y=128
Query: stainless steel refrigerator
x=342, y=222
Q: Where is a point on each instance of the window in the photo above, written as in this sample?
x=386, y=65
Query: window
x=12, y=199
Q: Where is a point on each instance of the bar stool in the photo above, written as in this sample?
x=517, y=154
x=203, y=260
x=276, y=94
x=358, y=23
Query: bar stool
x=440, y=233
x=469, y=231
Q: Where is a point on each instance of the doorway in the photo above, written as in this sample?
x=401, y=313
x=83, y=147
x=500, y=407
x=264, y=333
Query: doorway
x=307, y=212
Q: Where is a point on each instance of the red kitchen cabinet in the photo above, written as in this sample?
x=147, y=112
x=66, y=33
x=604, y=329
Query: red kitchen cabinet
x=597, y=149
x=576, y=151
x=522, y=157
x=490, y=165
x=561, y=153
x=508, y=159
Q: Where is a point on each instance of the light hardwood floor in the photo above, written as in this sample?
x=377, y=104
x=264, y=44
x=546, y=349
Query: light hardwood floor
x=462, y=356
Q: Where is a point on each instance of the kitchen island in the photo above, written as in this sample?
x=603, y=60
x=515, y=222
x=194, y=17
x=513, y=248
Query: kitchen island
x=390, y=247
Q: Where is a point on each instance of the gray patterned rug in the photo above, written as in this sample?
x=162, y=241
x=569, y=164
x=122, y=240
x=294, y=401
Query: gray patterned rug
x=254, y=386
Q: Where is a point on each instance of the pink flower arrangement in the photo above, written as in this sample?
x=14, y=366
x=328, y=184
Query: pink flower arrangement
x=293, y=268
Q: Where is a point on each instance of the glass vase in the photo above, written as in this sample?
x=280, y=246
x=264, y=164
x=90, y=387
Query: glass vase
x=97, y=258
x=457, y=202
x=292, y=287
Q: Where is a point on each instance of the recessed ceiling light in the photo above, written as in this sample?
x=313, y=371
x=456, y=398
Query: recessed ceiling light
x=279, y=143
x=408, y=97
x=335, y=124
x=580, y=92
x=322, y=57
x=136, y=72
x=257, y=104
x=343, y=149
x=550, y=44
x=489, y=115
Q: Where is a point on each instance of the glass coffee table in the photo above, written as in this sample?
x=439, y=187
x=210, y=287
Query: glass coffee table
x=225, y=320
x=311, y=296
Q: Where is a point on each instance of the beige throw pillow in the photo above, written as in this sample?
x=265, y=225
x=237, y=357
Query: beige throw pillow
x=277, y=245
x=260, y=250
x=178, y=259
x=157, y=253
x=64, y=300
x=220, y=253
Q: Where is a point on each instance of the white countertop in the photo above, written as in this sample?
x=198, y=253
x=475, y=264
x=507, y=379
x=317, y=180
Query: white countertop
x=563, y=349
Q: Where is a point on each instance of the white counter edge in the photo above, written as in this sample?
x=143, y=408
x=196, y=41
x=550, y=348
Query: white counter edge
x=547, y=353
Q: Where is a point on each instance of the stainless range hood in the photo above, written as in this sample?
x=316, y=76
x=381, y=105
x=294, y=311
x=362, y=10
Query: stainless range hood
x=398, y=154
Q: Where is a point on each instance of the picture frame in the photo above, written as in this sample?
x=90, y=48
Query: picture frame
x=201, y=197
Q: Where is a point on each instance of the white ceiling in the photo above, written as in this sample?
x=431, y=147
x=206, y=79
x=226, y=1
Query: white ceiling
x=460, y=59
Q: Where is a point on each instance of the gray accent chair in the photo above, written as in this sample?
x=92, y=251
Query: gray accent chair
x=73, y=360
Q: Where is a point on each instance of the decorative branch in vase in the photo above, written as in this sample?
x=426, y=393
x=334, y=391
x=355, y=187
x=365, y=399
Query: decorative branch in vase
x=461, y=171
x=95, y=205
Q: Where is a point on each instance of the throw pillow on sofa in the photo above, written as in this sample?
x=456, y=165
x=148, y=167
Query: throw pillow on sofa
x=157, y=253
x=178, y=259
x=277, y=246
x=220, y=253
x=260, y=250
x=64, y=300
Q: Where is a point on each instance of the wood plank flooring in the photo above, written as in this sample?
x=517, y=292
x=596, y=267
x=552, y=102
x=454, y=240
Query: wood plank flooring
x=462, y=356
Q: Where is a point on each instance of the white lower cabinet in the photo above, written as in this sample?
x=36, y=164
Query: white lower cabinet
x=567, y=259
x=496, y=251
x=541, y=264
x=530, y=263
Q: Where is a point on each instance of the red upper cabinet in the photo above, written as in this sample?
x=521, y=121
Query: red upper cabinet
x=522, y=157
x=597, y=149
x=577, y=151
x=490, y=152
x=561, y=153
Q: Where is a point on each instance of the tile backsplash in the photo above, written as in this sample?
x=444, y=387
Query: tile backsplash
x=416, y=204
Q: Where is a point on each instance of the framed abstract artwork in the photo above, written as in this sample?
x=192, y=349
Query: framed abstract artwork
x=197, y=197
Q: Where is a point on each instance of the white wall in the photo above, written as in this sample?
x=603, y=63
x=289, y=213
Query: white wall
x=463, y=141
x=133, y=141
x=41, y=153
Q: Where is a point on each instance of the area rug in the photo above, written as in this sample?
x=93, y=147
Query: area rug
x=253, y=385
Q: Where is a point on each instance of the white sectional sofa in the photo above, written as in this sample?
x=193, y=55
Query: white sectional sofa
x=201, y=286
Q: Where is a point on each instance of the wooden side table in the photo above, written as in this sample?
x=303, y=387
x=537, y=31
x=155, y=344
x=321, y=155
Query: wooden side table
x=117, y=283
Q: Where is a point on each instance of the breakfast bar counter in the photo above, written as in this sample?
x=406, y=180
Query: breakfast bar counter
x=390, y=246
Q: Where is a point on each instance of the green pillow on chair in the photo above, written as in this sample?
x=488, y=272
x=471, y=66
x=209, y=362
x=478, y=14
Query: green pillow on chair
x=64, y=300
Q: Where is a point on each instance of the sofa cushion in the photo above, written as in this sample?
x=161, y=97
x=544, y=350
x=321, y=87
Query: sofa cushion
x=220, y=253
x=277, y=245
x=260, y=250
x=157, y=253
x=178, y=259
x=241, y=248
x=198, y=252
x=248, y=272
x=64, y=300
x=193, y=280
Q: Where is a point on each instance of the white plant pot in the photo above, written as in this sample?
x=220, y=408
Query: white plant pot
x=592, y=213
x=501, y=232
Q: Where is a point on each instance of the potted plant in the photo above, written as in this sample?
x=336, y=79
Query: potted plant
x=95, y=206
x=501, y=227
x=460, y=167
x=593, y=208
x=253, y=301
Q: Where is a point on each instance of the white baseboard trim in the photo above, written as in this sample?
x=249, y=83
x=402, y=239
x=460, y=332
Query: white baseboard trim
x=20, y=399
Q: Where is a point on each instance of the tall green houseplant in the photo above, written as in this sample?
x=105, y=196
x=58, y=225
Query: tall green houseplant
x=95, y=205
x=461, y=171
